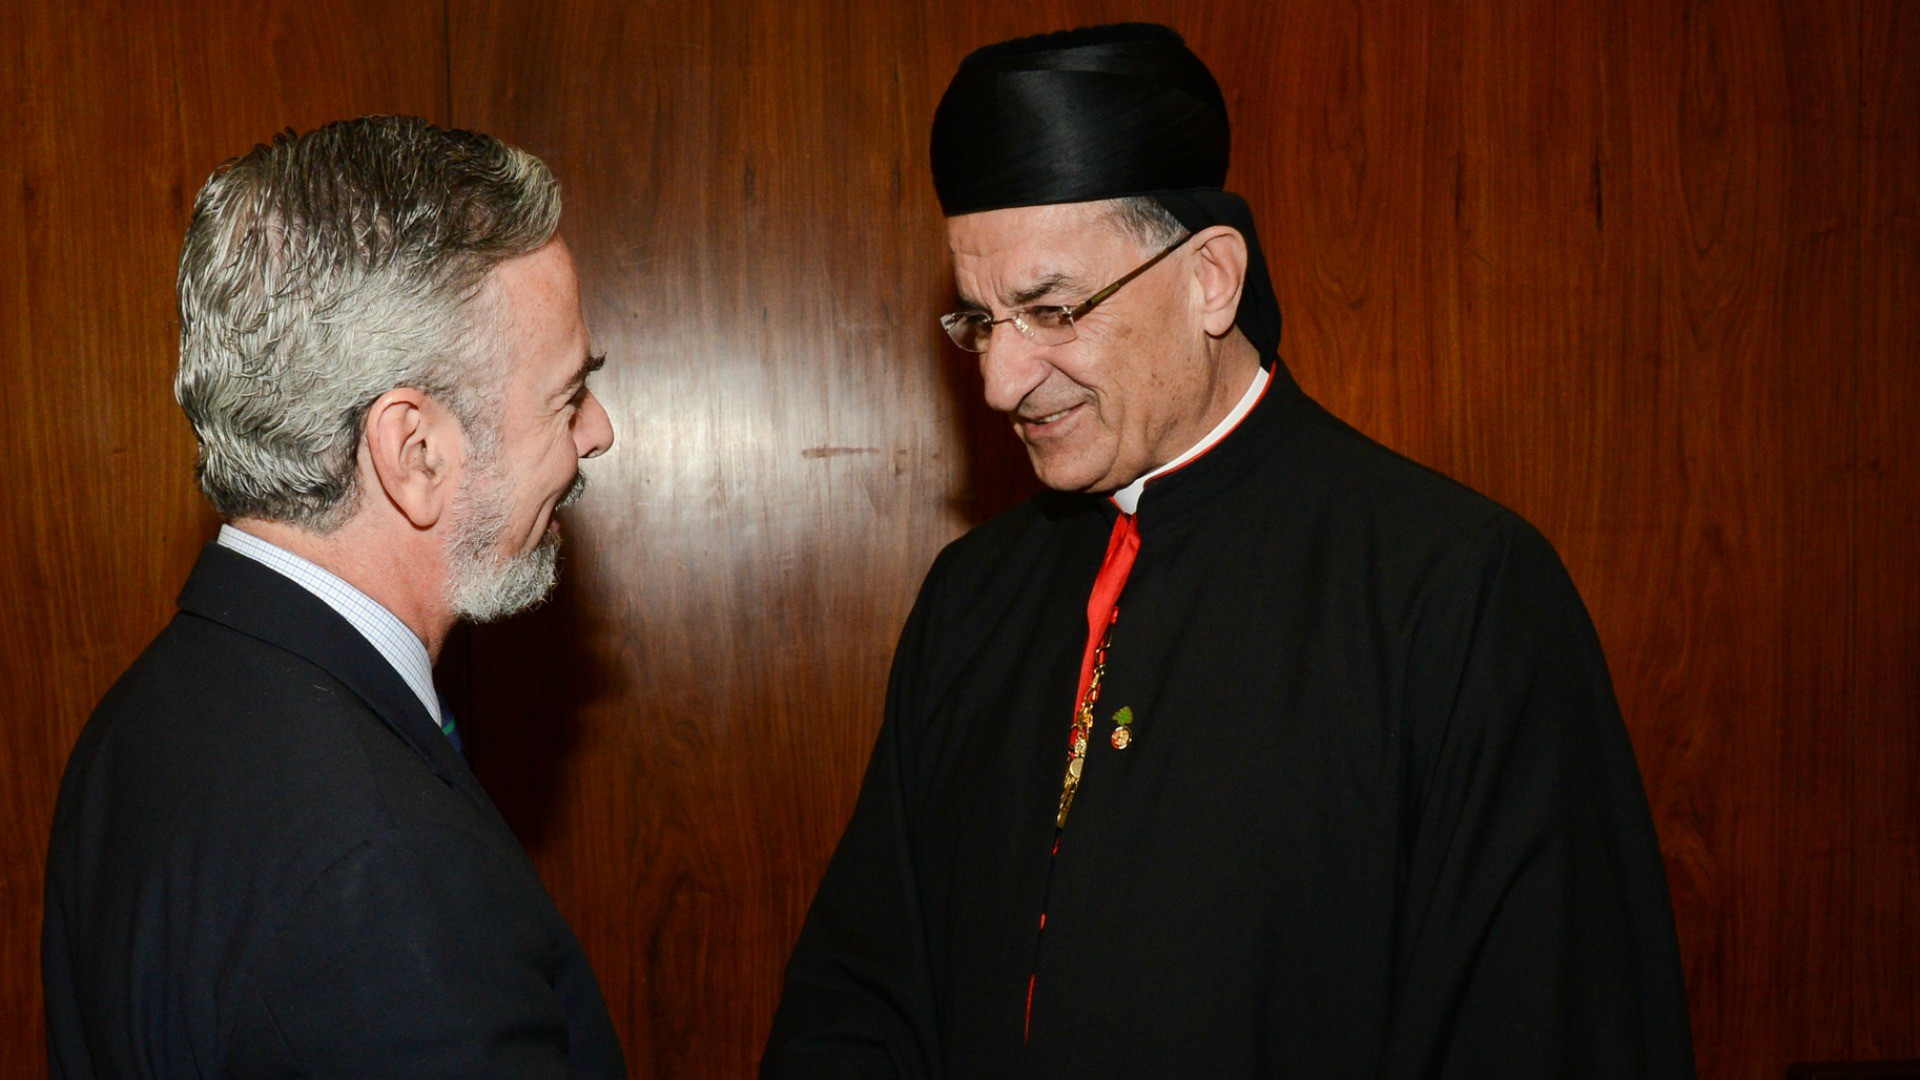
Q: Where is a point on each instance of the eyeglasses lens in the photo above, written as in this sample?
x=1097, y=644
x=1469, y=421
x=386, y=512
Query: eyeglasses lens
x=969, y=330
x=973, y=330
x=1049, y=325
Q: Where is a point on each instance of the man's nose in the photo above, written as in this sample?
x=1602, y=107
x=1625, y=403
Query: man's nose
x=1010, y=368
x=592, y=429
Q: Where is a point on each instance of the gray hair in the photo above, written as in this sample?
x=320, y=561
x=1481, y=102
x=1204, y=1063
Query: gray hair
x=1143, y=220
x=326, y=269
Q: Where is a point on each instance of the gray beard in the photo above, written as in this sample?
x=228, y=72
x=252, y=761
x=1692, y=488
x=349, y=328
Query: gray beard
x=483, y=583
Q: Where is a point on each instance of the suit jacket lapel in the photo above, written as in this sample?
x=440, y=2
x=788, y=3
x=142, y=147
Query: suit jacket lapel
x=235, y=591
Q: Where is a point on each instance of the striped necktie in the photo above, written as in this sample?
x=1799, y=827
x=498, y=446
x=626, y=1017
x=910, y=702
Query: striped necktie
x=448, y=727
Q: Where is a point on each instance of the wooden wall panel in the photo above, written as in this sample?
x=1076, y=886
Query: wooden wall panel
x=1804, y=161
x=1884, y=739
x=760, y=257
x=1730, y=665
x=1336, y=125
x=113, y=113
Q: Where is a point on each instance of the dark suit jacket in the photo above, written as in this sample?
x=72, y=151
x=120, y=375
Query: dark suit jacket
x=268, y=861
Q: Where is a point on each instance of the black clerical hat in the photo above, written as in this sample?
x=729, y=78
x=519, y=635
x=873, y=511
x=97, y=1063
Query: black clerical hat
x=1101, y=112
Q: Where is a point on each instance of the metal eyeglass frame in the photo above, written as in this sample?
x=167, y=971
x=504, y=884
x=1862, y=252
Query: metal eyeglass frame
x=958, y=322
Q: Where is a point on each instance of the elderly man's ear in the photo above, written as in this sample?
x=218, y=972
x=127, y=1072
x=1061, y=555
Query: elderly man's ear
x=414, y=447
x=1220, y=272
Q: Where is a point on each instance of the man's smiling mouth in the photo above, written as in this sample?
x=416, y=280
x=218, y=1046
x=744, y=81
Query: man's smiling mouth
x=1044, y=420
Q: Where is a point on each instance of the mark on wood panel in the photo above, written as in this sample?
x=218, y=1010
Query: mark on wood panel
x=1459, y=184
x=837, y=451
x=1599, y=198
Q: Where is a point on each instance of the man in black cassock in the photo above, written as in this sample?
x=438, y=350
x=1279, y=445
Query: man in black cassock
x=1252, y=749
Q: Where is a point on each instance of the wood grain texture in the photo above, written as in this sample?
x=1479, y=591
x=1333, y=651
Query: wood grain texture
x=1869, y=1070
x=113, y=115
x=761, y=258
x=1643, y=270
x=1884, y=741
x=1807, y=172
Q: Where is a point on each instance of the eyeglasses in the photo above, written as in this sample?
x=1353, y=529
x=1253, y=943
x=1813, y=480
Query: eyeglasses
x=1045, y=324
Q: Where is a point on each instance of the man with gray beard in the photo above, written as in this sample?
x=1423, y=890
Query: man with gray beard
x=269, y=855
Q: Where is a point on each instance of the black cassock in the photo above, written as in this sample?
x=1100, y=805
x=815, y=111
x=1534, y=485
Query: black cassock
x=1378, y=816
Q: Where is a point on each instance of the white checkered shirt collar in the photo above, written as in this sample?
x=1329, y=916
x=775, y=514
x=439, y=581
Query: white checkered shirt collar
x=401, y=647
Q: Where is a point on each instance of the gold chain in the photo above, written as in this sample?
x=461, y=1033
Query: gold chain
x=1083, y=724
